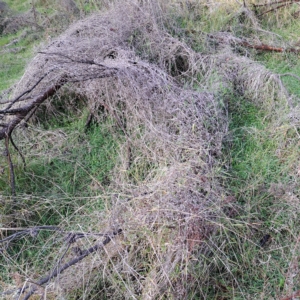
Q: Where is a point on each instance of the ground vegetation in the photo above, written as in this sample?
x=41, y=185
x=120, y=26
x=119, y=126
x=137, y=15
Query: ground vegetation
x=151, y=154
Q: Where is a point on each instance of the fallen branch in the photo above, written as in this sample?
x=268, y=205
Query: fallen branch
x=265, y=47
x=21, y=112
x=242, y=42
x=67, y=265
x=24, y=112
x=280, y=4
x=28, y=231
x=19, y=98
x=33, y=231
x=277, y=7
x=271, y=3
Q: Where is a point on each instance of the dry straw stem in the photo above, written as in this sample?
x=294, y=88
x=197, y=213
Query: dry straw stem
x=125, y=61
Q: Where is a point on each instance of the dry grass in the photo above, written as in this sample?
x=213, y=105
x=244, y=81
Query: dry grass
x=166, y=194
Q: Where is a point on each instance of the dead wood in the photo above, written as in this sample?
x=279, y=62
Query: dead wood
x=268, y=3
x=67, y=265
x=12, y=116
x=265, y=47
x=225, y=38
x=276, y=5
x=33, y=231
x=18, y=150
x=18, y=115
x=21, y=112
x=71, y=238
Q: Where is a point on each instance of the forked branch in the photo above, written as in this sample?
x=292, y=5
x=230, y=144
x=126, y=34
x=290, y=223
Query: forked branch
x=12, y=114
x=21, y=112
x=67, y=265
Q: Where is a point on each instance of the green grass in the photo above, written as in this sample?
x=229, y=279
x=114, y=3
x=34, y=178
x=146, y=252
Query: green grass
x=282, y=64
x=252, y=151
x=86, y=157
x=68, y=165
x=12, y=66
x=20, y=5
x=55, y=186
x=282, y=23
x=254, y=167
x=260, y=154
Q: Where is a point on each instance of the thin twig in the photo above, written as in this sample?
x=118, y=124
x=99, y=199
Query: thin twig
x=62, y=257
x=11, y=168
x=18, y=150
x=33, y=230
x=273, y=3
x=81, y=61
x=19, y=100
x=27, y=118
x=290, y=74
x=277, y=7
x=11, y=103
x=110, y=73
x=30, y=231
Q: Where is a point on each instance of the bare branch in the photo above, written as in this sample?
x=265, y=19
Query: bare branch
x=273, y=3
x=71, y=263
x=245, y=43
x=18, y=99
x=18, y=150
x=21, y=113
x=277, y=7
x=81, y=61
x=71, y=237
x=27, y=231
x=11, y=167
